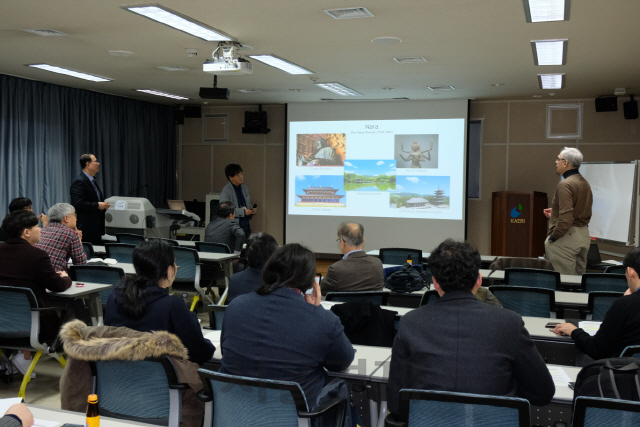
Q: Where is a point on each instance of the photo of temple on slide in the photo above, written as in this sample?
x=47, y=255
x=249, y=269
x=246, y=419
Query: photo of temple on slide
x=321, y=149
x=424, y=192
x=369, y=175
x=416, y=151
x=320, y=191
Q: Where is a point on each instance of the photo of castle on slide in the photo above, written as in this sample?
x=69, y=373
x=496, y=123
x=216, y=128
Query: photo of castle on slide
x=424, y=192
x=369, y=175
x=321, y=149
x=320, y=191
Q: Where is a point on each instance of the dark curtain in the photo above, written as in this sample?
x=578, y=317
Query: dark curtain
x=45, y=128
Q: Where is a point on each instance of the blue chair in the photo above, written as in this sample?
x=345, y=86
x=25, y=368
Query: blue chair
x=218, y=248
x=377, y=297
x=631, y=351
x=429, y=297
x=20, y=328
x=599, y=303
x=532, y=278
x=88, y=249
x=129, y=238
x=251, y=402
x=145, y=391
x=216, y=316
x=121, y=252
x=188, y=276
x=398, y=256
x=535, y=302
x=603, y=282
x=599, y=412
x=616, y=269
x=97, y=274
x=425, y=408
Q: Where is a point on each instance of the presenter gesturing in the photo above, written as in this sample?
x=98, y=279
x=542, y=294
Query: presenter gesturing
x=238, y=194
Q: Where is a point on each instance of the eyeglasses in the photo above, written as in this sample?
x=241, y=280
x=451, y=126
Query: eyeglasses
x=338, y=240
x=560, y=159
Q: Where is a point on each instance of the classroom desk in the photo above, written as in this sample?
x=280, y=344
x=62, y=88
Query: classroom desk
x=568, y=280
x=100, y=250
x=486, y=259
x=62, y=417
x=90, y=291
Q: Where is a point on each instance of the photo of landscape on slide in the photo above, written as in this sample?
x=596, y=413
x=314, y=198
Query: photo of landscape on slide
x=369, y=175
x=421, y=192
x=320, y=149
x=320, y=191
x=416, y=151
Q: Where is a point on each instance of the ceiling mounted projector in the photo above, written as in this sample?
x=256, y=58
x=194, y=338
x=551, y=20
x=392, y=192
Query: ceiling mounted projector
x=226, y=60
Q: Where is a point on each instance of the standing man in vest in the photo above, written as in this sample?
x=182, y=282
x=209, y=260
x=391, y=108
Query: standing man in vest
x=568, y=240
x=88, y=200
x=238, y=194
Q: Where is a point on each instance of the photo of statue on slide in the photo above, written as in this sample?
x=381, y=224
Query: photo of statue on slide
x=320, y=191
x=421, y=192
x=416, y=151
x=321, y=149
x=369, y=175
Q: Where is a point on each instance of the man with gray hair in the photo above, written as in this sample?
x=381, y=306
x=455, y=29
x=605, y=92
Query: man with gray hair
x=61, y=238
x=568, y=240
x=356, y=271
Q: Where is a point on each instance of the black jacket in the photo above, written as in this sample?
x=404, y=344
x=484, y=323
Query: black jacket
x=85, y=200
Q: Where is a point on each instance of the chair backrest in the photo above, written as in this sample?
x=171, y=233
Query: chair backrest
x=616, y=269
x=429, y=297
x=532, y=278
x=377, y=297
x=599, y=412
x=503, y=263
x=600, y=302
x=16, y=318
x=142, y=390
x=631, y=351
x=172, y=242
x=218, y=248
x=535, y=302
x=603, y=282
x=242, y=401
x=88, y=249
x=216, y=316
x=398, y=256
x=189, y=263
x=97, y=274
x=425, y=408
x=121, y=252
x=129, y=238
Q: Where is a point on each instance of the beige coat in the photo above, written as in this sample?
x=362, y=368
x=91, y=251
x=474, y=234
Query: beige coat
x=83, y=344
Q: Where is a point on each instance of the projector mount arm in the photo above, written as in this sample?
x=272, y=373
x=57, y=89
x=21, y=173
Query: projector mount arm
x=227, y=52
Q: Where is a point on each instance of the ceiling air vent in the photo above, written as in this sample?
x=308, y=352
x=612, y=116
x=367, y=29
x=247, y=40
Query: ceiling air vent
x=45, y=32
x=350, y=13
x=410, y=60
x=440, y=87
x=173, y=68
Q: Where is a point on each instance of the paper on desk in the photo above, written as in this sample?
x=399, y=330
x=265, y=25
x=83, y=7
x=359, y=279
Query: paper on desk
x=5, y=403
x=213, y=336
x=45, y=423
x=589, y=327
x=559, y=376
x=612, y=262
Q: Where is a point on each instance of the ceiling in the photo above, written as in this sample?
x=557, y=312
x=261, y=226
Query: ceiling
x=469, y=44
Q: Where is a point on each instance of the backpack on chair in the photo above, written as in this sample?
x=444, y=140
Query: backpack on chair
x=613, y=378
x=406, y=280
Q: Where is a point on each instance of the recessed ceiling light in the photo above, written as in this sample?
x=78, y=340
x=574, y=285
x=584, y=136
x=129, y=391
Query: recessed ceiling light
x=250, y=90
x=537, y=96
x=410, y=60
x=159, y=93
x=387, y=88
x=295, y=90
x=68, y=72
x=350, y=13
x=546, y=10
x=549, y=52
x=169, y=68
x=339, y=89
x=180, y=22
x=497, y=84
x=386, y=40
x=281, y=64
x=551, y=81
x=120, y=53
x=448, y=87
x=46, y=33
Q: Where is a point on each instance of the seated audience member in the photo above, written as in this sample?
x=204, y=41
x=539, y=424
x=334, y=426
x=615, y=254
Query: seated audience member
x=143, y=303
x=225, y=228
x=621, y=325
x=61, y=239
x=356, y=271
x=282, y=333
x=260, y=247
x=18, y=204
x=17, y=415
x=439, y=346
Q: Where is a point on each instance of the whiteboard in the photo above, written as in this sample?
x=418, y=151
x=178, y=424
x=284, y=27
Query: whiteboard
x=614, y=189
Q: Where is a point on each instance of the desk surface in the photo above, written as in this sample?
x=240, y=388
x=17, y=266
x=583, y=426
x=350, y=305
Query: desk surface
x=400, y=310
x=567, y=279
x=62, y=417
x=425, y=254
x=75, y=291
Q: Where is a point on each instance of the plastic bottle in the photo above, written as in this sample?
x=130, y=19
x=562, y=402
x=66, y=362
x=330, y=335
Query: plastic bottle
x=93, y=414
x=409, y=261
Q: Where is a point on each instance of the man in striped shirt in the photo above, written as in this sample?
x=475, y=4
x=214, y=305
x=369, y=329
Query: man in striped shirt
x=61, y=239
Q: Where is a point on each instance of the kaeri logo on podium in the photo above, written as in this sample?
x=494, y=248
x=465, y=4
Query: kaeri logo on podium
x=515, y=213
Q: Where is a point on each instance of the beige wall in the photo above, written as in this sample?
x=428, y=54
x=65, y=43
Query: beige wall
x=517, y=156
x=201, y=168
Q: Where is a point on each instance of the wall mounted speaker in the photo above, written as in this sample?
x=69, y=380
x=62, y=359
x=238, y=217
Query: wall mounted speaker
x=631, y=109
x=606, y=103
x=192, y=112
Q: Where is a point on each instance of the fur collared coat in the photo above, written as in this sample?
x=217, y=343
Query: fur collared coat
x=84, y=343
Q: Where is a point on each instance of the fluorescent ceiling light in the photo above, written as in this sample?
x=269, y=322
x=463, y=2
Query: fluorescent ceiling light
x=339, y=89
x=546, y=10
x=281, y=64
x=68, y=72
x=180, y=22
x=158, y=93
x=549, y=52
x=551, y=81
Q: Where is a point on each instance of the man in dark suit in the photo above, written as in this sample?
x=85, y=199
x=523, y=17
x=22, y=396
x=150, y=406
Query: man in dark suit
x=225, y=228
x=356, y=271
x=88, y=200
x=460, y=344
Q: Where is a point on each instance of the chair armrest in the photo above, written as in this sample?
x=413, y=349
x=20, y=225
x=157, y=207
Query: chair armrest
x=391, y=421
x=339, y=403
x=202, y=396
x=48, y=308
x=179, y=386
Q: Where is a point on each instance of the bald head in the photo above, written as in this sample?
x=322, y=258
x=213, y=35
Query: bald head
x=352, y=235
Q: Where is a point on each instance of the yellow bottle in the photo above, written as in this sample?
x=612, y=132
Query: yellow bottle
x=93, y=414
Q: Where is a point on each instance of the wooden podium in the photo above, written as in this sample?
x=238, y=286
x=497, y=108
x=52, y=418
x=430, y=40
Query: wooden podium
x=518, y=226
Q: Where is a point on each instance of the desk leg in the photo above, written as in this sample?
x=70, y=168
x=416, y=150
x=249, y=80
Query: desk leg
x=383, y=413
x=228, y=271
x=95, y=309
x=373, y=412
